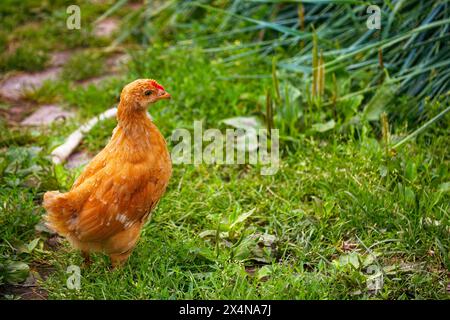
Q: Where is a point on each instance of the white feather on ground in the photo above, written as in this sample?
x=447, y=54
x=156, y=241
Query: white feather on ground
x=61, y=153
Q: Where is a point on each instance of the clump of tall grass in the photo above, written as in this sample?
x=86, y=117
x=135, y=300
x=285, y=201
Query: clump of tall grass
x=411, y=44
x=321, y=42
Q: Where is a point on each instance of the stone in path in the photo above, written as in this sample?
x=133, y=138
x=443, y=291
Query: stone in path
x=117, y=61
x=13, y=87
x=135, y=5
x=45, y=115
x=95, y=81
x=77, y=159
x=58, y=59
x=106, y=27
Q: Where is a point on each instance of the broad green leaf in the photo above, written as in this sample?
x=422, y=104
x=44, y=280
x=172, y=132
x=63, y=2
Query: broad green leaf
x=379, y=101
x=410, y=196
x=444, y=187
x=16, y=272
x=348, y=259
x=213, y=233
x=349, y=106
x=411, y=171
x=264, y=272
x=242, y=217
x=32, y=244
x=292, y=92
x=258, y=247
x=243, y=122
x=323, y=127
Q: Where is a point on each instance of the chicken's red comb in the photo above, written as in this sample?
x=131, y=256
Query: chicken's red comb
x=157, y=85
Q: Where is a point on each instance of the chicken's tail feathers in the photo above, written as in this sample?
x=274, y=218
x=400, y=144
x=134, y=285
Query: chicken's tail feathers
x=60, y=214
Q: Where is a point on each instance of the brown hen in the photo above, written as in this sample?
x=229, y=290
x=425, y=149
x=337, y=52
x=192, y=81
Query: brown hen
x=113, y=197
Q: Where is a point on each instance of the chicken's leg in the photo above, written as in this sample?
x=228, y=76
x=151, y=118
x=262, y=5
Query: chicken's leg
x=86, y=257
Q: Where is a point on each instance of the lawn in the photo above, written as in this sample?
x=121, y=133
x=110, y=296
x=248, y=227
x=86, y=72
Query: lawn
x=359, y=208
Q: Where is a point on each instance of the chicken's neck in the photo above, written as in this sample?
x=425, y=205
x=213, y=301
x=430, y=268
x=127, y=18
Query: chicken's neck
x=134, y=123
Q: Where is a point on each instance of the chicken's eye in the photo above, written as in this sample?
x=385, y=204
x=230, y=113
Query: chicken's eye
x=148, y=92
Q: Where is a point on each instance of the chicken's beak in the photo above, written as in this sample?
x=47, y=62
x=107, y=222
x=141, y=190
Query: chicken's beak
x=163, y=95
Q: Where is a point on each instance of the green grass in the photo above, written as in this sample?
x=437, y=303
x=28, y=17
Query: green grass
x=39, y=28
x=25, y=58
x=340, y=203
x=326, y=193
x=82, y=66
x=330, y=189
